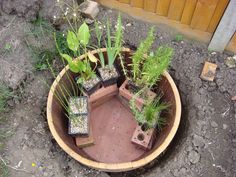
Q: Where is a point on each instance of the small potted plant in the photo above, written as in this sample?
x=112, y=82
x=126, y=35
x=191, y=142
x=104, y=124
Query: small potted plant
x=88, y=80
x=145, y=70
x=149, y=118
x=108, y=71
x=78, y=116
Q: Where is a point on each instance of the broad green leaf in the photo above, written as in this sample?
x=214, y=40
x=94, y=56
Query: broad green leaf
x=92, y=58
x=81, y=65
x=72, y=63
x=67, y=57
x=84, y=34
x=74, y=67
x=72, y=41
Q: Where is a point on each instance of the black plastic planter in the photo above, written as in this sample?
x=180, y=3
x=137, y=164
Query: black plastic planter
x=91, y=89
x=78, y=116
x=107, y=81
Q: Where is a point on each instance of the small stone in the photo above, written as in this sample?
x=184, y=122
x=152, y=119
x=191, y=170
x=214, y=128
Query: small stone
x=213, y=53
x=214, y=124
x=10, y=102
x=230, y=62
x=194, y=157
x=233, y=98
x=225, y=126
x=89, y=21
x=198, y=141
x=89, y=9
x=128, y=24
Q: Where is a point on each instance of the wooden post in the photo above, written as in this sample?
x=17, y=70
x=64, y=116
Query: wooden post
x=225, y=29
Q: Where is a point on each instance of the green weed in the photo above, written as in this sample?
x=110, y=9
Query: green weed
x=5, y=94
x=179, y=37
x=41, y=31
x=3, y=170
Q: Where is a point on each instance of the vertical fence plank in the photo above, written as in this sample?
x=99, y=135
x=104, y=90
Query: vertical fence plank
x=225, y=30
x=188, y=11
x=124, y=1
x=203, y=14
x=137, y=3
x=163, y=7
x=176, y=9
x=220, y=8
x=150, y=5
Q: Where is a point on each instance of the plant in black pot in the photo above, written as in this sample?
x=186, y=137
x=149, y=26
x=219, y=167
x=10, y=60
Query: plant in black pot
x=78, y=116
x=108, y=71
x=145, y=70
x=87, y=79
x=148, y=119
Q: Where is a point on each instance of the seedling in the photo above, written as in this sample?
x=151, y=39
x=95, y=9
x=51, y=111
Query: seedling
x=148, y=119
x=108, y=71
x=178, y=37
x=75, y=42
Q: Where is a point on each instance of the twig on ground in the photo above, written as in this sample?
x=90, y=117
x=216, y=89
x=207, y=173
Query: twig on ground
x=14, y=168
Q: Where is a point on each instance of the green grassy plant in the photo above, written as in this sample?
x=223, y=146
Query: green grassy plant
x=151, y=112
x=41, y=31
x=113, y=43
x=178, y=37
x=3, y=170
x=5, y=95
x=147, y=66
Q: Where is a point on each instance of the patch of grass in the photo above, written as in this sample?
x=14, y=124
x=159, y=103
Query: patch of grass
x=41, y=28
x=41, y=56
x=179, y=37
x=41, y=31
x=3, y=170
x=5, y=95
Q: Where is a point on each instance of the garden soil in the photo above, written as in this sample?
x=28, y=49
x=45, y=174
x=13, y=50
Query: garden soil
x=205, y=144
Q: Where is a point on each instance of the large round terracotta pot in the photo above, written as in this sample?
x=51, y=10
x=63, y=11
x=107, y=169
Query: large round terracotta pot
x=108, y=155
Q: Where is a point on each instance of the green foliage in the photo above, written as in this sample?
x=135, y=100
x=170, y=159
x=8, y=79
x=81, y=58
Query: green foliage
x=114, y=47
x=99, y=33
x=154, y=66
x=75, y=42
x=138, y=57
x=113, y=43
x=148, y=66
x=41, y=32
x=7, y=46
x=178, y=38
x=3, y=170
x=72, y=41
x=151, y=112
x=5, y=94
x=41, y=56
x=84, y=34
x=41, y=28
x=61, y=43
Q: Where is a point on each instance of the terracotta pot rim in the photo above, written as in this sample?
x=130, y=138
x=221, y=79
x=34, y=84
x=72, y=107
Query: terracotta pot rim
x=114, y=167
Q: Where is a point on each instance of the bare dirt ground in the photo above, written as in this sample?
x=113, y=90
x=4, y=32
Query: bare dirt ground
x=205, y=144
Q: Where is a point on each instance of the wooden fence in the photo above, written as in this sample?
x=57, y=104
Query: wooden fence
x=195, y=18
x=198, y=14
